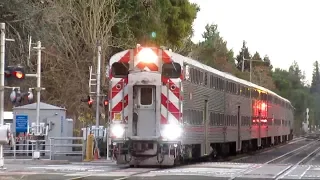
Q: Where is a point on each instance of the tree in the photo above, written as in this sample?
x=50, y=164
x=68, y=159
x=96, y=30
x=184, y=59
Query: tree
x=243, y=55
x=290, y=85
x=315, y=84
x=170, y=20
x=71, y=30
x=213, y=50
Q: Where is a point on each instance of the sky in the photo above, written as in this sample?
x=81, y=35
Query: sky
x=285, y=30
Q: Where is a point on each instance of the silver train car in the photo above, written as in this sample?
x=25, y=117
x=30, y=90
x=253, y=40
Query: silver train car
x=165, y=108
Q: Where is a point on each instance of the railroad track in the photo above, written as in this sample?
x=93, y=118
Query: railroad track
x=278, y=159
x=300, y=156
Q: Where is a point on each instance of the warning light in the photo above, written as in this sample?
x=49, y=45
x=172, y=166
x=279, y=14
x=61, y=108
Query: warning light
x=105, y=103
x=18, y=74
x=90, y=102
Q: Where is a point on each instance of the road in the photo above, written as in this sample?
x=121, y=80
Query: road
x=296, y=160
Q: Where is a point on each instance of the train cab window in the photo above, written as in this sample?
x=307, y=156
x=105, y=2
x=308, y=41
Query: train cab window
x=120, y=69
x=146, y=96
x=205, y=79
x=171, y=70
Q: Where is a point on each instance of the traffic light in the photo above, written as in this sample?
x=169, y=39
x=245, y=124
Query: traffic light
x=16, y=72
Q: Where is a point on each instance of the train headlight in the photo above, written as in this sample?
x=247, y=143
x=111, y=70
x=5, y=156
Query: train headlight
x=117, y=131
x=172, y=131
x=147, y=55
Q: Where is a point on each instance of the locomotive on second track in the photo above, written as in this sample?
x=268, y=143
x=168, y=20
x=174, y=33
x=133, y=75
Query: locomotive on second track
x=165, y=107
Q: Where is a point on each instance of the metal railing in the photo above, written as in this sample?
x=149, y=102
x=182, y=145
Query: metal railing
x=49, y=148
x=77, y=146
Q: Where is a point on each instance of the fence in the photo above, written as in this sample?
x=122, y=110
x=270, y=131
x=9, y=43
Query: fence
x=52, y=148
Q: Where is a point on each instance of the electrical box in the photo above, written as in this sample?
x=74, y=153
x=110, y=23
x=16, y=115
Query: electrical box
x=4, y=134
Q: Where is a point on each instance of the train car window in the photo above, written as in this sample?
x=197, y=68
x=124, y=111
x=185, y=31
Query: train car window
x=216, y=82
x=187, y=72
x=205, y=79
x=146, y=96
x=199, y=77
x=196, y=77
x=119, y=69
x=193, y=75
x=171, y=70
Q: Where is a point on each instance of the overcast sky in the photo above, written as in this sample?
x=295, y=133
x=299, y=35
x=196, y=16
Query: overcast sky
x=285, y=30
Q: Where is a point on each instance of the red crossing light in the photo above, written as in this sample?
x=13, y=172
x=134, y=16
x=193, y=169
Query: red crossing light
x=90, y=102
x=18, y=74
x=105, y=103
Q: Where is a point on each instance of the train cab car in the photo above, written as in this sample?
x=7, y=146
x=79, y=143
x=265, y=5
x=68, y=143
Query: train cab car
x=145, y=107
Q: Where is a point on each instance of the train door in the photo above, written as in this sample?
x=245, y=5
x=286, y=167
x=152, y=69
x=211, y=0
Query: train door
x=259, y=130
x=239, y=130
x=144, y=118
x=206, y=123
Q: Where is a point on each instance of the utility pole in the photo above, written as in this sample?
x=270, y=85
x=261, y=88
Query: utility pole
x=98, y=86
x=2, y=87
x=242, y=60
x=250, y=69
x=3, y=42
x=243, y=50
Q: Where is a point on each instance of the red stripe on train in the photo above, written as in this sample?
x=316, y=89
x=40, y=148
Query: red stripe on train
x=119, y=107
x=170, y=106
x=118, y=87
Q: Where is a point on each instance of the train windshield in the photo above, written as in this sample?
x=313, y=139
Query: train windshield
x=171, y=70
x=120, y=69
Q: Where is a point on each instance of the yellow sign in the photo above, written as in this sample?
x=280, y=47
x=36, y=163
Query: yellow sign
x=117, y=116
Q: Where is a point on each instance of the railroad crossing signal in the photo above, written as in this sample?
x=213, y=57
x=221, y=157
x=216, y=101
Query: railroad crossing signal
x=90, y=102
x=16, y=72
x=105, y=102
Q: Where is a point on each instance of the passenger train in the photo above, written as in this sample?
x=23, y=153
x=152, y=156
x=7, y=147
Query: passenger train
x=165, y=108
